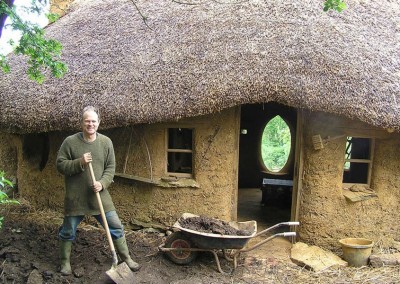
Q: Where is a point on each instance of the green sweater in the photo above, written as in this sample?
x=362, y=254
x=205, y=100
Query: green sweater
x=80, y=198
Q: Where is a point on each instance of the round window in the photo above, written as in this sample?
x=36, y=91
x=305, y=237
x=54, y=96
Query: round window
x=275, y=144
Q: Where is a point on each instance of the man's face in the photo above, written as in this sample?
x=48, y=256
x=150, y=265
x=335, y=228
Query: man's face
x=90, y=123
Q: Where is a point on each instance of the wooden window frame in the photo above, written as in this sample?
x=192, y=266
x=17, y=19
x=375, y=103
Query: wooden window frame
x=168, y=150
x=363, y=161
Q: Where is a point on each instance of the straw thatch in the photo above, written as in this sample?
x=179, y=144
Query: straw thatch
x=201, y=58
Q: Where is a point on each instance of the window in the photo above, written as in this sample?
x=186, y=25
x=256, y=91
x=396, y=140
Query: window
x=358, y=160
x=276, y=143
x=180, y=152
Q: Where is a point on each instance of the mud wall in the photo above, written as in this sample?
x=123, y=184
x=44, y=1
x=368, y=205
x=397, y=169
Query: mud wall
x=60, y=7
x=8, y=155
x=325, y=214
x=38, y=180
x=214, y=183
x=140, y=151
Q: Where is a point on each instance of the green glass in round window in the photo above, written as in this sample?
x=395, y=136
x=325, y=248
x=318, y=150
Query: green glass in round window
x=275, y=144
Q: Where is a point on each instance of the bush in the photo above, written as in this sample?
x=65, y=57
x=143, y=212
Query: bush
x=4, y=199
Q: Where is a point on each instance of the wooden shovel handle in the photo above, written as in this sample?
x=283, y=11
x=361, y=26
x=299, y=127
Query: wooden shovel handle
x=103, y=217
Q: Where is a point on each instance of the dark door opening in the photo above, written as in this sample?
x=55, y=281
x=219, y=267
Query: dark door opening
x=266, y=163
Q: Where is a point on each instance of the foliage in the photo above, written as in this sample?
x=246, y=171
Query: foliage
x=3, y=196
x=43, y=53
x=337, y=5
x=275, y=144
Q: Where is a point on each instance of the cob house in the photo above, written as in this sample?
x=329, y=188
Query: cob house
x=186, y=94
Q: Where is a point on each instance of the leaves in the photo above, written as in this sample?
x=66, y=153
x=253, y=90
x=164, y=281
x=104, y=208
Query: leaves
x=4, y=64
x=52, y=17
x=3, y=196
x=337, y=5
x=275, y=144
x=43, y=54
x=4, y=199
x=4, y=181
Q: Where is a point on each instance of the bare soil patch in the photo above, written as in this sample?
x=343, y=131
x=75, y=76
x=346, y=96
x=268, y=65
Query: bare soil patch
x=29, y=252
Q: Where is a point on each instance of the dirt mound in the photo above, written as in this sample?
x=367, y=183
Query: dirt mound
x=209, y=225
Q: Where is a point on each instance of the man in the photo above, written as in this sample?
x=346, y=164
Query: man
x=75, y=153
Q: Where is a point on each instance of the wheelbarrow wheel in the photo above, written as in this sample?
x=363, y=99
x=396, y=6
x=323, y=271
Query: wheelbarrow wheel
x=178, y=240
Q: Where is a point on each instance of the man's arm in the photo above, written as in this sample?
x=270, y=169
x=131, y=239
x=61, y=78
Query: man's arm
x=109, y=170
x=66, y=163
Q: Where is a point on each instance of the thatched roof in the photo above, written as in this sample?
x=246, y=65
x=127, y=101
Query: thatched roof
x=200, y=59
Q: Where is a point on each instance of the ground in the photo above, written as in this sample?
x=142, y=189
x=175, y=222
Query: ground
x=29, y=254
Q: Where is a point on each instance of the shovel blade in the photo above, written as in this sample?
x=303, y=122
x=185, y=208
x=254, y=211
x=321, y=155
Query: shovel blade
x=121, y=274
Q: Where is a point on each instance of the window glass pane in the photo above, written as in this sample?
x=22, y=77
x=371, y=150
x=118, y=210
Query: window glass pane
x=359, y=148
x=347, y=154
x=180, y=163
x=275, y=144
x=180, y=138
x=357, y=173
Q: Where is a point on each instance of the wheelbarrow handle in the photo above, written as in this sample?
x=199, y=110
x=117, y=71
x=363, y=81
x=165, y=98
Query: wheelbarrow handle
x=285, y=234
x=293, y=223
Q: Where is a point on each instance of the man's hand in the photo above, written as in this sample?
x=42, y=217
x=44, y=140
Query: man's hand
x=97, y=187
x=86, y=159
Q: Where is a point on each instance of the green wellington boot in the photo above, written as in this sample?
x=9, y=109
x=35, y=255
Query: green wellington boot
x=123, y=252
x=65, y=254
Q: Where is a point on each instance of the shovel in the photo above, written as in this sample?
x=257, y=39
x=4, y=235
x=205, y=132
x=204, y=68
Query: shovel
x=120, y=274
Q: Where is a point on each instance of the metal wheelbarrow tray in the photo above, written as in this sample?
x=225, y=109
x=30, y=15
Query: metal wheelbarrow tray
x=183, y=245
x=218, y=241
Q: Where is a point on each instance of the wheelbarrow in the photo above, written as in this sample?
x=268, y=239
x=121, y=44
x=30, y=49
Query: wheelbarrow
x=183, y=245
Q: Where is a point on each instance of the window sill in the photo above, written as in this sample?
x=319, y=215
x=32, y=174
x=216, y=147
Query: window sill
x=359, y=186
x=166, y=182
x=280, y=173
x=358, y=192
x=178, y=182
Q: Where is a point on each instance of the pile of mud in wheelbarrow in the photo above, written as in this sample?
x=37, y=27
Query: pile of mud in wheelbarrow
x=194, y=234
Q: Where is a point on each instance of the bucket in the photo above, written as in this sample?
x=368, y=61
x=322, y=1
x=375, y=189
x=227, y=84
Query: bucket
x=356, y=251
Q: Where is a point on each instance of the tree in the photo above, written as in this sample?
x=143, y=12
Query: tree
x=42, y=53
x=4, y=16
x=275, y=144
x=337, y=5
x=45, y=54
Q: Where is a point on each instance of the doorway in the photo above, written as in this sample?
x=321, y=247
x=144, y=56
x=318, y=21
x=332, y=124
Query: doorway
x=267, y=155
